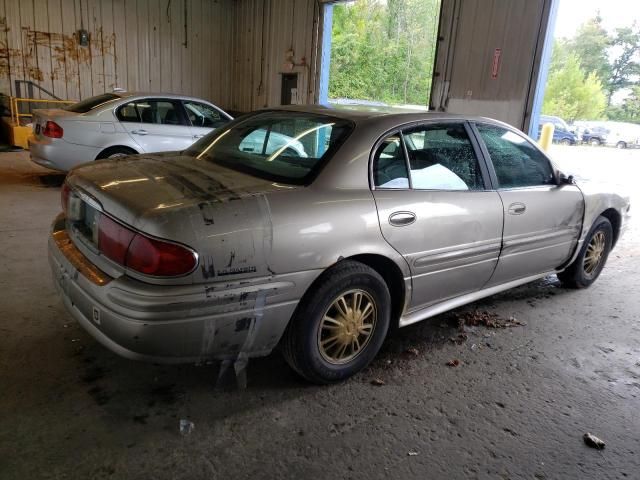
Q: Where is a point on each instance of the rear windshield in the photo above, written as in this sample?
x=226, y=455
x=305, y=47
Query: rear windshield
x=90, y=103
x=286, y=147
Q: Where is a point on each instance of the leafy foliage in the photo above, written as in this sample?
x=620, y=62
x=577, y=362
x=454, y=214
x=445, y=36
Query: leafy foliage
x=570, y=93
x=384, y=50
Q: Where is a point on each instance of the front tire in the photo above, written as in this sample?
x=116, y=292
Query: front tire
x=565, y=141
x=595, y=142
x=621, y=145
x=592, y=257
x=339, y=325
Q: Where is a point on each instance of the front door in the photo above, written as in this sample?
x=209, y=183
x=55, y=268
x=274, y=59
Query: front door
x=435, y=208
x=542, y=220
x=203, y=118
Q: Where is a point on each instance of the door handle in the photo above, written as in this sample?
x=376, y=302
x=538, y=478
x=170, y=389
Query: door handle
x=517, y=208
x=139, y=132
x=400, y=219
x=199, y=135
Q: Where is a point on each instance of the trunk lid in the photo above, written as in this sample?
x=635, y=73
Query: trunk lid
x=220, y=213
x=42, y=115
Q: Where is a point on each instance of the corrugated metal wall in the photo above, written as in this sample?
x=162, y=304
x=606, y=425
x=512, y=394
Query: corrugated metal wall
x=470, y=32
x=264, y=33
x=181, y=46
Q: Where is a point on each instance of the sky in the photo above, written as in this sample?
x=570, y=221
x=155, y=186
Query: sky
x=615, y=13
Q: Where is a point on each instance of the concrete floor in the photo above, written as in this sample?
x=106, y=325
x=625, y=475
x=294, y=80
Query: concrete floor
x=516, y=407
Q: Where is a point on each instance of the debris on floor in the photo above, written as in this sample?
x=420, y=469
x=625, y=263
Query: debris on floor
x=593, y=441
x=413, y=454
x=186, y=427
x=486, y=319
x=377, y=382
x=412, y=351
x=453, y=363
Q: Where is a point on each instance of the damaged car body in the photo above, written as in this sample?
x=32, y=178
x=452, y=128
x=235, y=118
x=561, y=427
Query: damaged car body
x=373, y=219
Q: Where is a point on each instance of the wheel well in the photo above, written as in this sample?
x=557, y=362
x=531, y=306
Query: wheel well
x=613, y=216
x=392, y=276
x=105, y=153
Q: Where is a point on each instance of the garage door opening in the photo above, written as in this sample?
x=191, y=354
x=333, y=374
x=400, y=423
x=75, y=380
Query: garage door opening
x=379, y=52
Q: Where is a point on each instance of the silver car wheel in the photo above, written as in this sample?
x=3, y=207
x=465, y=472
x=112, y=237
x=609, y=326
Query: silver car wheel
x=347, y=326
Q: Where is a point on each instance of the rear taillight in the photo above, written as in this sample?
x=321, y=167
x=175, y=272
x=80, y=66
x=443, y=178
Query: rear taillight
x=52, y=130
x=113, y=239
x=141, y=253
x=158, y=258
x=64, y=197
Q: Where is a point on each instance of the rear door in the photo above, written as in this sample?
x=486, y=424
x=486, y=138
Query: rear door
x=542, y=220
x=435, y=207
x=156, y=124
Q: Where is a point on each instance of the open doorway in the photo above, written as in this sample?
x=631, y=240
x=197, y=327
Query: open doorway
x=379, y=52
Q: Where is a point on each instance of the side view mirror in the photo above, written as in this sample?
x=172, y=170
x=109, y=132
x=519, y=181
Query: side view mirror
x=564, y=179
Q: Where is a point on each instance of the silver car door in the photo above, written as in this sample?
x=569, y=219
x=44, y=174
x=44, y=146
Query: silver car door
x=160, y=127
x=542, y=220
x=442, y=217
x=203, y=118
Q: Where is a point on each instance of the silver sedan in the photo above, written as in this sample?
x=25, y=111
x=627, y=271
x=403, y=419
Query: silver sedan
x=225, y=251
x=115, y=124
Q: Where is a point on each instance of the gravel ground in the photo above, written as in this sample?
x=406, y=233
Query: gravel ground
x=516, y=405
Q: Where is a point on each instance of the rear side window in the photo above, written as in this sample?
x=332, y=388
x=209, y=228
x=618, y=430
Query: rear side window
x=389, y=164
x=90, y=103
x=158, y=112
x=516, y=161
x=441, y=157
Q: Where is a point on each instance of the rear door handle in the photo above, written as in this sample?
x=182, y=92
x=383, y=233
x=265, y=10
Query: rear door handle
x=140, y=132
x=400, y=219
x=517, y=208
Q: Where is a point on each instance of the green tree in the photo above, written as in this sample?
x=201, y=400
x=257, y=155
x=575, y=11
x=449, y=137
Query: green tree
x=383, y=50
x=570, y=93
x=629, y=111
x=591, y=44
x=625, y=67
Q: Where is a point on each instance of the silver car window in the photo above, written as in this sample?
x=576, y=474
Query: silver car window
x=389, y=164
x=203, y=115
x=288, y=147
x=441, y=157
x=516, y=161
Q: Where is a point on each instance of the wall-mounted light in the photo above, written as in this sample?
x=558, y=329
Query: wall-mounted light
x=83, y=38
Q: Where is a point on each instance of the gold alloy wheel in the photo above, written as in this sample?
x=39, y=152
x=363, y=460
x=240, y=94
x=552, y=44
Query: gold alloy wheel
x=595, y=252
x=347, y=326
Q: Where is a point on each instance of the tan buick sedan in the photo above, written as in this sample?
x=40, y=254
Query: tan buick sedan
x=223, y=251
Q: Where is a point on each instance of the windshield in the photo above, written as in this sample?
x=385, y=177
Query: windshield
x=90, y=103
x=286, y=147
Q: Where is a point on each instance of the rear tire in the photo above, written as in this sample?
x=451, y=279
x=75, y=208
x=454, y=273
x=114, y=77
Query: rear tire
x=592, y=257
x=115, y=152
x=621, y=145
x=565, y=141
x=324, y=345
x=595, y=142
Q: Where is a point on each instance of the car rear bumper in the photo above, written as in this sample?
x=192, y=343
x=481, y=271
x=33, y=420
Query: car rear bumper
x=58, y=154
x=174, y=324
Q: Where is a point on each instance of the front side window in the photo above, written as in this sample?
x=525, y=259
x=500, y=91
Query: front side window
x=441, y=157
x=287, y=147
x=516, y=161
x=203, y=115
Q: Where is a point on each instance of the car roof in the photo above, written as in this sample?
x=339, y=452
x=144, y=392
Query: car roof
x=360, y=114
x=177, y=96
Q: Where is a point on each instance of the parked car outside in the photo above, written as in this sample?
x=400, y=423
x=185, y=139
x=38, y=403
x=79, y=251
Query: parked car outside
x=561, y=133
x=120, y=123
x=389, y=219
x=623, y=135
x=592, y=133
